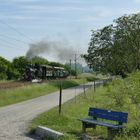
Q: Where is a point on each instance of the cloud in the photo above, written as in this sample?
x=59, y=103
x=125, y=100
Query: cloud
x=84, y=12
x=21, y=1
x=51, y=8
x=137, y=1
x=18, y=17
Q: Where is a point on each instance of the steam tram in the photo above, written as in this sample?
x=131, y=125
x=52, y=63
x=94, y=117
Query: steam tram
x=44, y=72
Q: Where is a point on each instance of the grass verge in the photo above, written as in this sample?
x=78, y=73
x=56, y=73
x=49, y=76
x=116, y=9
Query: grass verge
x=120, y=95
x=15, y=95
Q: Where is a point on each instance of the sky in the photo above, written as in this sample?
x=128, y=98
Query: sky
x=25, y=22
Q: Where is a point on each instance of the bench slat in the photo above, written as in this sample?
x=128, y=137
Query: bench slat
x=92, y=121
x=95, y=113
x=108, y=115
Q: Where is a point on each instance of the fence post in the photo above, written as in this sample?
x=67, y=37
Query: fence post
x=94, y=86
x=84, y=89
x=60, y=97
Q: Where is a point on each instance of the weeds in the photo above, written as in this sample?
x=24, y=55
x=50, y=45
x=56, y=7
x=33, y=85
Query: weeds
x=120, y=95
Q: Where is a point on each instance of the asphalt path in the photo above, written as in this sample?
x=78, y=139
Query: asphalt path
x=14, y=119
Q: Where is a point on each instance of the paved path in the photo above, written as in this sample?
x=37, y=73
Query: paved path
x=14, y=119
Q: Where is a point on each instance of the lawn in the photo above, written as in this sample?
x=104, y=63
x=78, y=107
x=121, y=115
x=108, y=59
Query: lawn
x=119, y=95
x=6, y=81
x=15, y=95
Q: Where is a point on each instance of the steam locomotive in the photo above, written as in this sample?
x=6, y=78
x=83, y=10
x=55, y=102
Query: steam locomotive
x=44, y=72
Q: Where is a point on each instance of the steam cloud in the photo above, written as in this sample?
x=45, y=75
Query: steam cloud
x=56, y=49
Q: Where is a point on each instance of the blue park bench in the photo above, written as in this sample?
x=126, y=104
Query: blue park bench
x=112, y=116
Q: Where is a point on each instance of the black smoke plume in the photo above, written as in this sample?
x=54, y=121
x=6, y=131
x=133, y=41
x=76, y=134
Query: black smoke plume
x=62, y=51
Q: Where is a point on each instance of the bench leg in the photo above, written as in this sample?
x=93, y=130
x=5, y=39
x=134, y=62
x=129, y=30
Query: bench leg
x=111, y=133
x=87, y=125
x=94, y=126
x=83, y=127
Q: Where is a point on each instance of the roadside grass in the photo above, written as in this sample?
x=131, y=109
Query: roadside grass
x=120, y=95
x=90, y=77
x=15, y=95
x=68, y=122
x=6, y=81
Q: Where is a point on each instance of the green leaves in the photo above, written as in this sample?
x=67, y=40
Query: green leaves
x=115, y=48
x=3, y=67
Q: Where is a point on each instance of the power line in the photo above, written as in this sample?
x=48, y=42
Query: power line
x=13, y=39
x=14, y=29
x=9, y=47
x=9, y=44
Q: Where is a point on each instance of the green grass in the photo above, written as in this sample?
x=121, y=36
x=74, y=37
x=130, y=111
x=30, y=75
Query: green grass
x=119, y=95
x=15, y=95
x=6, y=81
x=68, y=122
x=90, y=77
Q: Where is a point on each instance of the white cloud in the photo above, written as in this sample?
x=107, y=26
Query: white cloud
x=21, y=1
x=103, y=12
x=51, y=8
x=137, y=1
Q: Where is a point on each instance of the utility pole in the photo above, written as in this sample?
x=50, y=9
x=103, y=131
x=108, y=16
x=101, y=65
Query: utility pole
x=75, y=66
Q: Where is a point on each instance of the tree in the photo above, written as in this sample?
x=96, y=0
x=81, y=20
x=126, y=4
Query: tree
x=3, y=67
x=56, y=64
x=11, y=73
x=19, y=65
x=39, y=60
x=115, y=48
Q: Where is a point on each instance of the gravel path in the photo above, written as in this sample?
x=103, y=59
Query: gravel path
x=14, y=119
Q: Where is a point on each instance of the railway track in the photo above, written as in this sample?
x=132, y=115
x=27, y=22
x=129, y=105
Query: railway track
x=14, y=84
x=17, y=84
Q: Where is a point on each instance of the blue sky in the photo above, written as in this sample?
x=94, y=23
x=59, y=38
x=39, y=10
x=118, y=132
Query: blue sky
x=69, y=21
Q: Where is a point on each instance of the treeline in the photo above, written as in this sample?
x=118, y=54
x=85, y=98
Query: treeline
x=115, y=49
x=16, y=68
